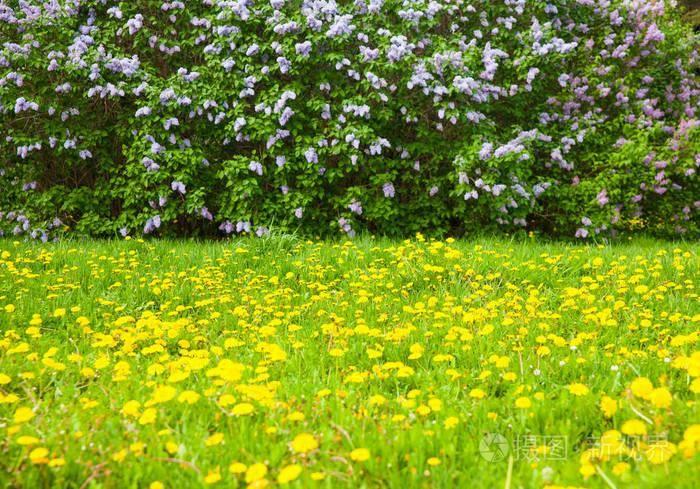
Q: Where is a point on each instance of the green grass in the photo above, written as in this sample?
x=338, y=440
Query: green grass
x=325, y=337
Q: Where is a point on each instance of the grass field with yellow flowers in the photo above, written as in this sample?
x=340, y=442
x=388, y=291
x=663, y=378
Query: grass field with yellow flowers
x=372, y=363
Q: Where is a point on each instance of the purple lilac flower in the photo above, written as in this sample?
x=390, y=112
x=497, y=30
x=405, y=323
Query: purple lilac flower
x=389, y=190
x=167, y=95
x=21, y=105
x=303, y=48
x=284, y=64
x=486, y=151
x=311, y=155
x=152, y=224
x=178, y=187
x=345, y=227
x=150, y=165
x=227, y=227
x=602, y=197
x=355, y=207
x=256, y=167
x=170, y=123
x=496, y=190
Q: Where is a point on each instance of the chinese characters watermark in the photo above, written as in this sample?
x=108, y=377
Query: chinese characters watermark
x=494, y=447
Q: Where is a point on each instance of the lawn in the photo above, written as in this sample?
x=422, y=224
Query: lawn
x=366, y=363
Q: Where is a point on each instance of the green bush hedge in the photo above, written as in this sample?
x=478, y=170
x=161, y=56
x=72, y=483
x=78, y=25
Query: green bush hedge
x=569, y=117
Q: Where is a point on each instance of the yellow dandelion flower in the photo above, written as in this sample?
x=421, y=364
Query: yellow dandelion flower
x=477, y=394
x=660, y=398
x=289, y=473
x=215, y=439
x=660, y=453
x=360, y=455
x=578, y=389
x=226, y=400
x=23, y=414
x=163, y=394
x=131, y=408
x=148, y=416
x=641, y=387
x=213, y=476
x=587, y=470
x=237, y=468
x=39, y=456
x=188, y=397
x=27, y=440
x=692, y=433
x=634, y=427
x=57, y=462
x=304, y=443
x=243, y=409
x=451, y=422
x=255, y=473
x=523, y=403
x=609, y=406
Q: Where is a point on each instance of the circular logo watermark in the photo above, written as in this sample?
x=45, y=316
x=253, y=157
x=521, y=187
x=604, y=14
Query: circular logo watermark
x=493, y=447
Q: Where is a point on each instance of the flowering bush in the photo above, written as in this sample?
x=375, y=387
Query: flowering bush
x=571, y=117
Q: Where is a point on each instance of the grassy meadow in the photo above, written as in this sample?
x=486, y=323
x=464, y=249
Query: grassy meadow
x=366, y=363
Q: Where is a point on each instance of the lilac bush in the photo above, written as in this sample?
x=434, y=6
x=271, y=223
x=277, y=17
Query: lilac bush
x=574, y=118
